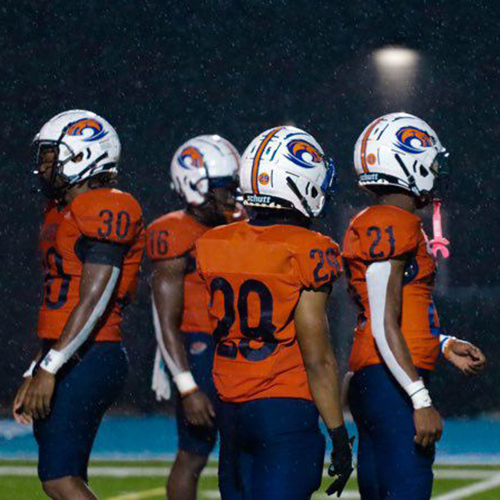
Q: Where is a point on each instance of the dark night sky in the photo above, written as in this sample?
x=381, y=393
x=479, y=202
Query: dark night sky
x=162, y=72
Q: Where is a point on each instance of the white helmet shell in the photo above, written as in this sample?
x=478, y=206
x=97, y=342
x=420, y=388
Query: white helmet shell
x=399, y=150
x=286, y=168
x=200, y=160
x=78, y=132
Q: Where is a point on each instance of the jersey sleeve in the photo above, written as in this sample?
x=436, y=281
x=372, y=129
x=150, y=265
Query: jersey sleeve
x=168, y=238
x=318, y=261
x=108, y=215
x=378, y=238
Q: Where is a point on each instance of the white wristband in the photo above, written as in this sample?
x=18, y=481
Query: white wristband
x=53, y=361
x=419, y=395
x=29, y=371
x=444, y=343
x=185, y=383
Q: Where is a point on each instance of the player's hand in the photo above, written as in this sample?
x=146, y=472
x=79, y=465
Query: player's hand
x=428, y=426
x=18, y=411
x=39, y=394
x=340, y=461
x=468, y=358
x=198, y=409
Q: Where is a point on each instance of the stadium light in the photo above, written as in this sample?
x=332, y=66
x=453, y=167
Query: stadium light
x=394, y=58
x=397, y=69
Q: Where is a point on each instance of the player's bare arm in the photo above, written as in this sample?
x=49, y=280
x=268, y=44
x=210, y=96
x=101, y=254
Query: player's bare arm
x=319, y=360
x=385, y=289
x=167, y=284
x=321, y=367
x=96, y=287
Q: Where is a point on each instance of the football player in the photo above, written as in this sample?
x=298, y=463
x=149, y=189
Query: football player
x=391, y=273
x=204, y=173
x=91, y=241
x=269, y=279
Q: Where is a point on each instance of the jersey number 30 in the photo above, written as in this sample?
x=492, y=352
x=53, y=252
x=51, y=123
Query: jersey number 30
x=263, y=332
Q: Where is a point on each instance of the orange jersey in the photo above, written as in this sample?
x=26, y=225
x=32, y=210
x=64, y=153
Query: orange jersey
x=100, y=214
x=380, y=233
x=255, y=275
x=175, y=235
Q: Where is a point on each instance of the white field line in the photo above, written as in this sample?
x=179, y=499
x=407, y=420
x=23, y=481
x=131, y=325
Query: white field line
x=156, y=471
x=464, y=473
x=467, y=491
x=26, y=470
x=490, y=480
x=458, y=494
x=155, y=492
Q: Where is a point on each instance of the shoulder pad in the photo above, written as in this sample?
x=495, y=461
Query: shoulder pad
x=172, y=235
x=318, y=259
x=382, y=232
x=107, y=214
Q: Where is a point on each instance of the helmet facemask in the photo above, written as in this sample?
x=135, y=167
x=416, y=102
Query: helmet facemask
x=322, y=194
x=438, y=169
x=54, y=184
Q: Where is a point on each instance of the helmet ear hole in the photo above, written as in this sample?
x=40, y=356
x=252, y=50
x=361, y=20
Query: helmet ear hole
x=423, y=171
x=314, y=192
x=78, y=158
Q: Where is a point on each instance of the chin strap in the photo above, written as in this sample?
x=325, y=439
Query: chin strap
x=298, y=194
x=438, y=243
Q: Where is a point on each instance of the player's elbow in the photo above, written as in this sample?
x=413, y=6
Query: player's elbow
x=319, y=365
x=97, y=297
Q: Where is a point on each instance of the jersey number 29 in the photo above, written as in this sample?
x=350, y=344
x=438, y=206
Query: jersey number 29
x=263, y=332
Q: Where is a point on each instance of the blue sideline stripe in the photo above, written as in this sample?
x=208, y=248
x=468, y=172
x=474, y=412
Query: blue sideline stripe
x=468, y=441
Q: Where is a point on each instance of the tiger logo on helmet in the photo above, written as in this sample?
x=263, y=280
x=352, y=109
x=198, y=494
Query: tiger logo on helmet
x=304, y=154
x=399, y=150
x=413, y=140
x=200, y=162
x=190, y=157
x=285, y=168
x=89, y=128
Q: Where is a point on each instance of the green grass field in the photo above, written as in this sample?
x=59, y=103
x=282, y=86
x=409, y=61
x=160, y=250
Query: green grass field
x=134, y=480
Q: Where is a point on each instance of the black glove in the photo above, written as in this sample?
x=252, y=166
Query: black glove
x=341, y=460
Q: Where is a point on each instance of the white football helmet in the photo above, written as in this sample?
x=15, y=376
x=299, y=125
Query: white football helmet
x=285, y=168
x=77, y=132
x=399, y=150
x=201, y=163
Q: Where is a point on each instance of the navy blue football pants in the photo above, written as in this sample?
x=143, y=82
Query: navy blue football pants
x=390, y=465
x=86, y=387
x=271, y=449
x=195, y=439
